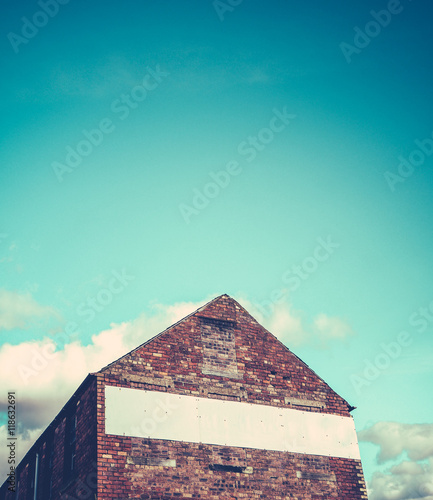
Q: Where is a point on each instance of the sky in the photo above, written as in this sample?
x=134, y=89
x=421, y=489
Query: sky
x=154, y=155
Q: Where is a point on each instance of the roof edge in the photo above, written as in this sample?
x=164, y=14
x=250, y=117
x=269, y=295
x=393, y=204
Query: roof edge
x=349, y=406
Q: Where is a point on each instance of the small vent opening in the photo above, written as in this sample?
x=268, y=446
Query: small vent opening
x=226, y=468
x=231, y=468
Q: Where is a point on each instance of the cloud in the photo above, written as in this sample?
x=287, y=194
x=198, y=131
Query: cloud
x=17, y=310
x=331, y=328
x=405, y=481
x=410, y=479
x=289, y=326
x=394, y=438
x=282, y=321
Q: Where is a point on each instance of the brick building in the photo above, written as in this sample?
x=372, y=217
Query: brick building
x=213, y=407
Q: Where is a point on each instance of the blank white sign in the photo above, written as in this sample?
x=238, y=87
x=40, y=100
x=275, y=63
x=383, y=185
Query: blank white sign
x=161, y=415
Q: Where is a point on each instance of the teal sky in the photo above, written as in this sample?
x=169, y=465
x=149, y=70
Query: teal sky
x=325, y=174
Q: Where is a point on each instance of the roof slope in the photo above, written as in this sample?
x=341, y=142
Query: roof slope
x=221, y=341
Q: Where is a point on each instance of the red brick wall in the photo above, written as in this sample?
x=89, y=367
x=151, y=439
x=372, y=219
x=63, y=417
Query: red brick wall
x=259, y=370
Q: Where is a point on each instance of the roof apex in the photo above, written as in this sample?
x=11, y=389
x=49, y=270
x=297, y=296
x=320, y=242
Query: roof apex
x=221, y=308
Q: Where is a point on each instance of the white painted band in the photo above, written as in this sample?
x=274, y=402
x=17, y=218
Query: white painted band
x=161, y=415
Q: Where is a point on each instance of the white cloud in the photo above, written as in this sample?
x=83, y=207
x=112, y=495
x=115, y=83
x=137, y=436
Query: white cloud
x=405, y=481
x=283, y=322
x=394, y=438
x=17, y=310
x=331, y=328
x=289, y=326
x=410, y=479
